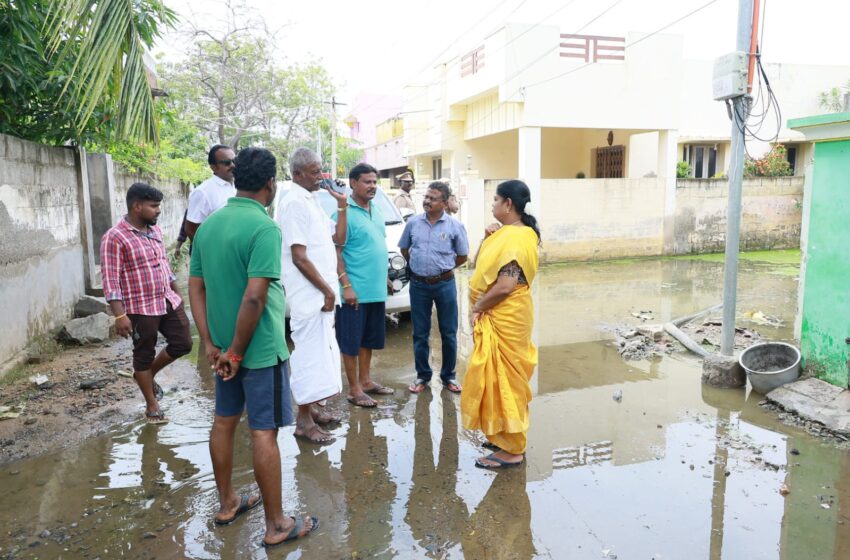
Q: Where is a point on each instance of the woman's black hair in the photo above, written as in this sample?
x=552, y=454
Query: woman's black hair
x=520, y=195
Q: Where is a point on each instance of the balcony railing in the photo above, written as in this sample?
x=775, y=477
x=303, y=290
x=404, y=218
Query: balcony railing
x=593, y=48
x=472, y=62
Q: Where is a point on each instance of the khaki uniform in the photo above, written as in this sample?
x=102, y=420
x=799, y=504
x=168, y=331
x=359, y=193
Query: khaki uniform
x=404, y=200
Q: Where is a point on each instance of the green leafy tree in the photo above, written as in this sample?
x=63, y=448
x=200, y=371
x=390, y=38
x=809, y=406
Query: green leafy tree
x=74, y=69
x=29, y=83
x=105, y=42
x=180, y=154
x=233, y=89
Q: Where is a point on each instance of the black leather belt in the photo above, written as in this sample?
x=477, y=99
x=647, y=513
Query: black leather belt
x=434, y=279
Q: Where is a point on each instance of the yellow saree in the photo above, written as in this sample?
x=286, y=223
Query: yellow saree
x=496, y=391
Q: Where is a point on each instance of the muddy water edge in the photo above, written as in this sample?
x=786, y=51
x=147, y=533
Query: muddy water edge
x=670, y=470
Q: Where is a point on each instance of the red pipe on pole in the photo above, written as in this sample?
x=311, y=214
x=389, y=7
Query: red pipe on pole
x=753, y=45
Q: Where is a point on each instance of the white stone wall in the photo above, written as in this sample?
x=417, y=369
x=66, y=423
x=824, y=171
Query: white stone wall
x=40, y=250
x=41, y=244
x=594, y=219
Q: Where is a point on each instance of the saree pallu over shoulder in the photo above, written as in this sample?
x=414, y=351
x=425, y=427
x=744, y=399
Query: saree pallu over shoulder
x=508, y=243
x=496, y=389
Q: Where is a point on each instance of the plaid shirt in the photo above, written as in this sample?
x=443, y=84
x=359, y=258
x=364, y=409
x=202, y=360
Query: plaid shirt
x=135, y=270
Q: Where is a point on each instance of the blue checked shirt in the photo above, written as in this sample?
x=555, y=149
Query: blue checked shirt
x=433, y=248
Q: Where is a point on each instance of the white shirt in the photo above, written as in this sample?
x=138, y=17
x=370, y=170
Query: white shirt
x=303, y=222
x=208, y=197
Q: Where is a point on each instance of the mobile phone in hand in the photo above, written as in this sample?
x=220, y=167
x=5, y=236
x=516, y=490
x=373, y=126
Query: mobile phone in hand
x=330, y=184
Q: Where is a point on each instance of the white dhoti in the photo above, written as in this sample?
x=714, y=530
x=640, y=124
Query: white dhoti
x=315, y=365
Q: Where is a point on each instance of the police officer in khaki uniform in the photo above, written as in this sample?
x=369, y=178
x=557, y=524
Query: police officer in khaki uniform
x=404, y=199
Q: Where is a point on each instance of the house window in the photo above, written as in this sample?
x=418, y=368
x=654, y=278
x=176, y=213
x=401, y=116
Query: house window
x=609, y=162
x=436, y=168
x=703, y=160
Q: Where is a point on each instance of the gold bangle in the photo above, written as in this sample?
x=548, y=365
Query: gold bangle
x=344, y=286
x=121, y=316
x=339, y=277
x=343, y=209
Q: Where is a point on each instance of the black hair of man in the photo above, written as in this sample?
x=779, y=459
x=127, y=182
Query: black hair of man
x=442, y=187
x=139, y=192
x=211, y=156
x=360, y=169
x=254, y=168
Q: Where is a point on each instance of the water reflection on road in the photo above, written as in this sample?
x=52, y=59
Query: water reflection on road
x=674, y=470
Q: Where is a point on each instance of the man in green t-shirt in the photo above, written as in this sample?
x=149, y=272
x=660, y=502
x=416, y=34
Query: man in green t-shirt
x=238, y=305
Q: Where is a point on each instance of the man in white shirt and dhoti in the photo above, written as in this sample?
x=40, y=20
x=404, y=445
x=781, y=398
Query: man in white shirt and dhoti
x=310, y=280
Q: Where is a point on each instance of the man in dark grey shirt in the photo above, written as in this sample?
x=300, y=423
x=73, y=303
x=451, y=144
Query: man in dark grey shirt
x=434, y=244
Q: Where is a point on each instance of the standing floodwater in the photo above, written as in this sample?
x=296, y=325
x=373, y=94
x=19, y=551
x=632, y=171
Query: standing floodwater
x=670, y=470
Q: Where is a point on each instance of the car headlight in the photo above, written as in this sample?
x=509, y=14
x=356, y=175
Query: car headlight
x=397, y=285
x=397, y=262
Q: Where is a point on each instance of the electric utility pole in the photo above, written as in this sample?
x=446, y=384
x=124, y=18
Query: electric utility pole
x=318, y=137
x=748, y=13
x=333, y=103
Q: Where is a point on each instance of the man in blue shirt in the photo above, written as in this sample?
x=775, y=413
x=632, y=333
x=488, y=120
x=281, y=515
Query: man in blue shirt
x=434, y=244
x=362, y=270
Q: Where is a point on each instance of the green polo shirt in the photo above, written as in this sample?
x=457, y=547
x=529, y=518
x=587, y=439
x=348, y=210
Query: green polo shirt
x=238, y=242
x=365, y=252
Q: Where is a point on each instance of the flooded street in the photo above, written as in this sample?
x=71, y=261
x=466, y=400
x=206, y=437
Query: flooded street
x=672, y=471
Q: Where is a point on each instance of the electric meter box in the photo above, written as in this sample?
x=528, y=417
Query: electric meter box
x=730, y=76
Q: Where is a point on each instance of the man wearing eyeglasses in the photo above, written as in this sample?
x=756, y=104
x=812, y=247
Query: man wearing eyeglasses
x=213, y=193
x=434, y=244
x=404, y=199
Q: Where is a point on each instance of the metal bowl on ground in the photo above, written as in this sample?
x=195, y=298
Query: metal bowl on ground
x=770, y=365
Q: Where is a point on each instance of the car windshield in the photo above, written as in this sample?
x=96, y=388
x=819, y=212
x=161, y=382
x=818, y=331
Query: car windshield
x=381, y=200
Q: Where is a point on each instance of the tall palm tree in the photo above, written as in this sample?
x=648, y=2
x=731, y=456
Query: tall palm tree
x=104, y=42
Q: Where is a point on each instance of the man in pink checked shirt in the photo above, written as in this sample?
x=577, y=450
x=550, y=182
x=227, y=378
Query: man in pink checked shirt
x=141, y=290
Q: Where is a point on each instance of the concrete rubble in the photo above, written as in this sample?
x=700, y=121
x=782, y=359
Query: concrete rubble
x=723, y=372
x=90, y=305
x=86, y=330
x=817, y=401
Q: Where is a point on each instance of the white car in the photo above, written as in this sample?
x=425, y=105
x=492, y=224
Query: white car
x=399, y=301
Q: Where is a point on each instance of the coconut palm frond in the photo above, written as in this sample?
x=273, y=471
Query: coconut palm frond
x=106, y=39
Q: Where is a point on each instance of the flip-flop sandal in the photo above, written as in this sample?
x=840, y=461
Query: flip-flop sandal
x=294, y=532
x=490, y=445
x=452, y=386
x=156, y=418
x=502, y=463
x=378, y=389
x=362, y=402
x=158, y=393
x=244, y=507
x=417, y=387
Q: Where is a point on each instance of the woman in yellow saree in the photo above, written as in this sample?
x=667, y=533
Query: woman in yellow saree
x=496, y=389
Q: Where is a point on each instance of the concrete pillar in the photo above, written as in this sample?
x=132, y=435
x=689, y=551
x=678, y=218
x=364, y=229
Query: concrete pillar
x=90, y=267
x=529, y=170
x=528, y=164
x=667, y=159
x=474, y=210
x=804, y=249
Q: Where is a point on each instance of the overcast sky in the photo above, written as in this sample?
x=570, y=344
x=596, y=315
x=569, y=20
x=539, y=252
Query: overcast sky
x=378, y=45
